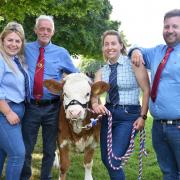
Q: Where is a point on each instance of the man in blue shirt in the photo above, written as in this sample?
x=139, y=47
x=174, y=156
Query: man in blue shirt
x=165, y=109
x=43, y=110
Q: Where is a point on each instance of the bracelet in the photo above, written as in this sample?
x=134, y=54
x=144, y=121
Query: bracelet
x=144, y=116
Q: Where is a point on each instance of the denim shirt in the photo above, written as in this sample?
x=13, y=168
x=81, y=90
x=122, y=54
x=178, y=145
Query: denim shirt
x=11, y=83
x=167, y=104
x=127, y=84
x=57, y=60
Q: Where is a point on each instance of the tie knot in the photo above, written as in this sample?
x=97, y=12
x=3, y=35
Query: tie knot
x=113, y=66
x=169, y=49
x=16, y=60
x=41, y=49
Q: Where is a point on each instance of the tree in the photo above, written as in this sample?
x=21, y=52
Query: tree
x=79, y=23
x=90, y=65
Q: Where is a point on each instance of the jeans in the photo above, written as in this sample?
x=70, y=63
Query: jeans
x=11, y=144
x=122, y=124
x=166, y=143
x=47, y=117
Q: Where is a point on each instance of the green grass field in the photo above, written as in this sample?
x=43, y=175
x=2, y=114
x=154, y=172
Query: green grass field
x=76, y=172
x=151, y=170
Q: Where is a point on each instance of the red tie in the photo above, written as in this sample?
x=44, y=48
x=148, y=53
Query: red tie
x=158, y=74
x=38, y=77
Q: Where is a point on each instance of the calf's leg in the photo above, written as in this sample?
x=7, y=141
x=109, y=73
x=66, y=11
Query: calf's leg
x=64, y=162
x=88, y=163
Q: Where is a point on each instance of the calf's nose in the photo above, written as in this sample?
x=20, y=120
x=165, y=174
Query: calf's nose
x=75, y=114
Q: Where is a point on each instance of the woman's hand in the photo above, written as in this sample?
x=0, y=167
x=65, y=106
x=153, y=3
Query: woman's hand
x=99, y=108
x=139, y=123
x=12, y=118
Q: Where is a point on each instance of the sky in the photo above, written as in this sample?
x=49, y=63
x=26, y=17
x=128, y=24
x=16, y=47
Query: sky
x=142, y=20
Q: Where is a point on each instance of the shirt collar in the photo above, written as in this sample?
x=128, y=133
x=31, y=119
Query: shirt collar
x=16, y=56
x=120, y=60
x=45, y=47
x=177, y=46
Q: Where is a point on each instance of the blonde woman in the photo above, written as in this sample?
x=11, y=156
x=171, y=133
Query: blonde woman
x=12, y=96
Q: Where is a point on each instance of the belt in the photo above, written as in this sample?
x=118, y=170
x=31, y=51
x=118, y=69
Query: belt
x=170, y=122
x=123, y=106
x=44, y=102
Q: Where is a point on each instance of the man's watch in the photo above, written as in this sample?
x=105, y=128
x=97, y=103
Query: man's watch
x=143, y=116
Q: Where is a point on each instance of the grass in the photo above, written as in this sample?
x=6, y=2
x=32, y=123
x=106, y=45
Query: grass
x=151, y=170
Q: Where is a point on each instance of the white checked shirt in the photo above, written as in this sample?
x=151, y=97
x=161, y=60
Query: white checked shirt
x=126, y=81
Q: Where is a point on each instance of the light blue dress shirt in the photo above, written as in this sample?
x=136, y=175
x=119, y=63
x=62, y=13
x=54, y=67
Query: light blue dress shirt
x=57, y=59
x=167, y=104
x=12, y=86
x=127, y=84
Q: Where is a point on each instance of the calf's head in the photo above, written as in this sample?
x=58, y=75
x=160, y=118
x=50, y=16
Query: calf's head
x=77, y=89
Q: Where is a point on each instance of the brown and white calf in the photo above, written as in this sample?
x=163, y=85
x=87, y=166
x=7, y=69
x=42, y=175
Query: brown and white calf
x=77, y=90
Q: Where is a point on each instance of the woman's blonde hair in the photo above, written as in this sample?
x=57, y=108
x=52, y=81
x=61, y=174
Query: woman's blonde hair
x=114, y=33
x=18, y=29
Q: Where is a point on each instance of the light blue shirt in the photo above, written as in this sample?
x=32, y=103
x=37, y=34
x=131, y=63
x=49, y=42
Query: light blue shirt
x=127, y=84
x=167, y=104
x=12, y=86
x=56, y=60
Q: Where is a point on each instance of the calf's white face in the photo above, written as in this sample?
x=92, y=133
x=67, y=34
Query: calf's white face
x=77, y=92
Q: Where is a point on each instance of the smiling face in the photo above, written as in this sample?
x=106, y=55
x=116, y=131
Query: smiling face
x=171, y=30
x=12, y=44
x=111, y=48
x=44, y=31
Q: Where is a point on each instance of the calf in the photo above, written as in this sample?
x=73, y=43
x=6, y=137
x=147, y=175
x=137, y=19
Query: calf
x=77, y=90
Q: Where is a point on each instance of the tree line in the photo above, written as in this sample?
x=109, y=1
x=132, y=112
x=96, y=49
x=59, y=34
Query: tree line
x=79, y=24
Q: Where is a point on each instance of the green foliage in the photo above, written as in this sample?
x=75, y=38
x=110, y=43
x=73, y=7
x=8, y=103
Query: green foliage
x=1, y=18
x=18, y=9
x=79, y=23
x=90, y=65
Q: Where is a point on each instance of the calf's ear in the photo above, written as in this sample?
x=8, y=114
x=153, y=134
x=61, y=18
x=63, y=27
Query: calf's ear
x=53, y=86
x=99, y=87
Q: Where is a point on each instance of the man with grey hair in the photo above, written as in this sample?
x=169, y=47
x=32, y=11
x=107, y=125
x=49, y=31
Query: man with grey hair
x=45, y=61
